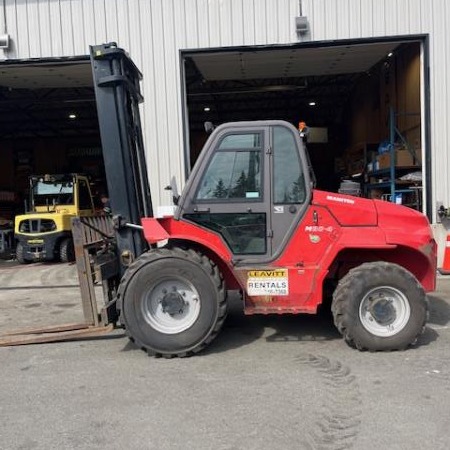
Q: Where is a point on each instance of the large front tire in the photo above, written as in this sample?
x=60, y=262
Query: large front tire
x=20, y=254
x=379, y=306
x=172, y=302
x=67, y=250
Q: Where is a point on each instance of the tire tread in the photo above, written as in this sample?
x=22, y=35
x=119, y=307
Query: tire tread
x=206, y=264
x=357, y=276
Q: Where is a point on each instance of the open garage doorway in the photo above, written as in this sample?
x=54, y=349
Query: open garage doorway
x=48, y=125
x=356, y=97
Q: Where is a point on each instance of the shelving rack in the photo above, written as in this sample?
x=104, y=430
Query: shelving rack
x=393, y=186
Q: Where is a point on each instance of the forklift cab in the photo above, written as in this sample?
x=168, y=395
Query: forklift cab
x=250, y=185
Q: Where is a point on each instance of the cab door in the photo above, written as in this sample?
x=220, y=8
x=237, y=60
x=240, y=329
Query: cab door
x=289, y=184
x=230, y=189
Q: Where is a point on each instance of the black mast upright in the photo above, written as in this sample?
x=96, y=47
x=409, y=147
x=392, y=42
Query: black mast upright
x=117, y=91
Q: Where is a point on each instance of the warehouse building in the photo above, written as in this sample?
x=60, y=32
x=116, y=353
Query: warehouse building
x=362, y=74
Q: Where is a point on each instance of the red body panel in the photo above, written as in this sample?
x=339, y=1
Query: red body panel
x=349, y=211
x=333, y=224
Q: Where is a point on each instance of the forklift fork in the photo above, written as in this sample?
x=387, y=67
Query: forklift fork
x=96, y=261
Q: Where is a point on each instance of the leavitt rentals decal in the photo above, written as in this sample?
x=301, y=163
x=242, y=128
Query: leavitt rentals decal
x=268, y=282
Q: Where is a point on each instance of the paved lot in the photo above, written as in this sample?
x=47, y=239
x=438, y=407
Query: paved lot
x=266, y=383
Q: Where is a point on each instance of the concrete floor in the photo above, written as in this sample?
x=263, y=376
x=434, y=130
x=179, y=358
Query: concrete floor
x=286, y=382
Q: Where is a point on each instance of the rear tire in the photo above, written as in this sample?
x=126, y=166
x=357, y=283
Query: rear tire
x=20, y=254
x=67, y=250
x=379, y=306
x=172, y=302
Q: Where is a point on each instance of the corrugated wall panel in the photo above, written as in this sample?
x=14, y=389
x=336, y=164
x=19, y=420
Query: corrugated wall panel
x=391, y=18
x=100, y=20
x=289, y=9
x=112, y=21
x=154, y=31
x=67, y=25
x=261, y=27
x=330, y=24
x=226, y=22
x=214, y=23
x=402, y=16
x=124, y=24
x=344, y=24
x=355, y=19
x=272, y=13
x=23, y=46
x=192, y=25
x=160, y=97
x=33, y=28
x=249, y=18
x=55, y=28
x=415, y=16
x=441, y=122
x=237, y=22
x=79, y=34
x=136, y=38
x=445, y=149
x=151, y=133
x=366, y=18
x=171, y=147
x=89, y=22
x=379, y=19
x=316, y=19
x=203, y=23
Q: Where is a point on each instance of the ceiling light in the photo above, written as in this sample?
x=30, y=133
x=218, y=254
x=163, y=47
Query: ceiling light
x=206, y=109
x=390, y=54
x=72, y=116
x=312, y=103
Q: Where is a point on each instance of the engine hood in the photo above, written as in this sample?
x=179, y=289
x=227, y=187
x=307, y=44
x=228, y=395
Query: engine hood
x=397, y=219
x=347, y=209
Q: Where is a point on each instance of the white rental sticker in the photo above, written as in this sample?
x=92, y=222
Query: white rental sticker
x=268, y=282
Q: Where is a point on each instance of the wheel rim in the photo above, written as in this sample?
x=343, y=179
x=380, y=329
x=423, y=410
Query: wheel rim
x=384, y=311
x=171, y=306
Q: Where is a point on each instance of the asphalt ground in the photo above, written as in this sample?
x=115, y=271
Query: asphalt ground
x=287, y=382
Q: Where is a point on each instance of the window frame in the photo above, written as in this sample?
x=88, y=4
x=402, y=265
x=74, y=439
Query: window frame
x=82, y=182
x=300, y=166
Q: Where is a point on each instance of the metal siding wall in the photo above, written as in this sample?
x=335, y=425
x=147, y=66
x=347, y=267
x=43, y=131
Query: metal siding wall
x=154, y=31
x=440, y=102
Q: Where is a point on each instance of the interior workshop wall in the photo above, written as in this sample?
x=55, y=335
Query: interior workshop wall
x=394, y=82
x=154, y=31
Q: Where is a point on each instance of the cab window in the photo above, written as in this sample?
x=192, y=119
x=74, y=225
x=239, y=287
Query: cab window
x=235, y=170
x=289, y=181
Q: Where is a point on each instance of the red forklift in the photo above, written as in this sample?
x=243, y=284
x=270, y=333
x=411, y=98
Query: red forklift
x=250, y=220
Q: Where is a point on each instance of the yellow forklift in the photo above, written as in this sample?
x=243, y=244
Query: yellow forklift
x=44, y=233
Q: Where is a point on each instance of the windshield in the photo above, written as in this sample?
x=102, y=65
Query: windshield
x=53, y=193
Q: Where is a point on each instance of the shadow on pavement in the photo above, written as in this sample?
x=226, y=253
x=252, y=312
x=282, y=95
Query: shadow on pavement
x=439, y=315
x=426, y=338
x=439, y=309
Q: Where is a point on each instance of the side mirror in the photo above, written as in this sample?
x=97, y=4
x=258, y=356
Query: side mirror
x=173, y=187
x=209, y=127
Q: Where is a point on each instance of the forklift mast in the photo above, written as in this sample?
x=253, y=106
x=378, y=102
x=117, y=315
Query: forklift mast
x=117, y=92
